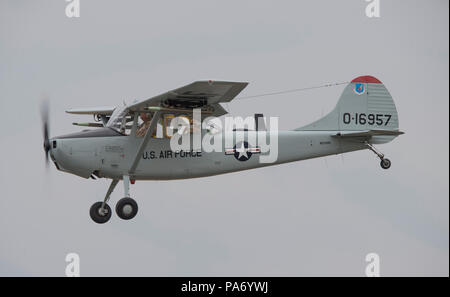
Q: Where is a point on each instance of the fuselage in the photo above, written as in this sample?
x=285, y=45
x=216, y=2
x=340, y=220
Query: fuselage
x=110, y=156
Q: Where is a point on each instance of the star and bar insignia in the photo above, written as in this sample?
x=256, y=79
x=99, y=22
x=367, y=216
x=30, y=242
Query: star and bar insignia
x=242, y=151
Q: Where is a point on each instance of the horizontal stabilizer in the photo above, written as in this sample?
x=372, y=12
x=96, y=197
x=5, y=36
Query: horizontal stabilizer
x=368, y=133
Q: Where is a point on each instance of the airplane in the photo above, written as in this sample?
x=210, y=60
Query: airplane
x=130, y=143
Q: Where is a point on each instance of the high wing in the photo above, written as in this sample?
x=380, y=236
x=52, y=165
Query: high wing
x=206, y=95
x=101, y=114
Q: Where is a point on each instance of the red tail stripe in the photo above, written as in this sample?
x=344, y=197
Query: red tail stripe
x=366, y=79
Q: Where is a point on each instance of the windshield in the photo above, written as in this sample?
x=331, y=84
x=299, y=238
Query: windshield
x=119, y=119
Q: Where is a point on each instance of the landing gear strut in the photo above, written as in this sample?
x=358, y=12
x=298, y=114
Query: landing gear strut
x=385, y=162
x=126, y=208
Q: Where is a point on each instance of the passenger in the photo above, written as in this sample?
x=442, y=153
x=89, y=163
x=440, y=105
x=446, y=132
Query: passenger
x=142, y=129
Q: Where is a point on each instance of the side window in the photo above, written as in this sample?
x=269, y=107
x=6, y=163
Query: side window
x=177, y=124
x=158, y=133
x=143, y=125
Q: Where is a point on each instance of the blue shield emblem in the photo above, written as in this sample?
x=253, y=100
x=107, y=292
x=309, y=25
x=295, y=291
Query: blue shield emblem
x=359, y=88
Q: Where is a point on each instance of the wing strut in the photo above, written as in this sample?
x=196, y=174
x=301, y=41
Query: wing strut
x=144, y=142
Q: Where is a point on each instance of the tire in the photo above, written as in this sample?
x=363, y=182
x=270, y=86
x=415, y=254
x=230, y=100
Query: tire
x=126, y=208
x=95, y=213
x=385, y=163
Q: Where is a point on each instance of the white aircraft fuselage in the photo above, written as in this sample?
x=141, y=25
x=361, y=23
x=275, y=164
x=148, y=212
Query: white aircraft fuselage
x=110, y=157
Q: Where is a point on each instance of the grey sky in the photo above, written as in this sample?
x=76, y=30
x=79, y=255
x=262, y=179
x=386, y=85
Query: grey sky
x=317, y=217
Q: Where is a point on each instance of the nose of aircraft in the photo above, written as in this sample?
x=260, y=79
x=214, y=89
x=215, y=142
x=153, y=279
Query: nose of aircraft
x=50, y=148
x=46, y=149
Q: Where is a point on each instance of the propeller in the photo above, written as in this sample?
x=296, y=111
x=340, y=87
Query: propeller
x=45, y=126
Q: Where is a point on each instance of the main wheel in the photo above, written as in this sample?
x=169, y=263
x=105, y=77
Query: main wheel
x=385, y=163
x=126, y=208
x=99, y=216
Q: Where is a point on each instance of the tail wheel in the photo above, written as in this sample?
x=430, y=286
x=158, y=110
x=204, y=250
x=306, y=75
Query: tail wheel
x=385, y=163
x=98, y=214
x=126, y=208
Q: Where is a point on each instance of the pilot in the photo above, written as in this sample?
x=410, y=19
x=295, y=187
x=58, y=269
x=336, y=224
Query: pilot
x=142, y=129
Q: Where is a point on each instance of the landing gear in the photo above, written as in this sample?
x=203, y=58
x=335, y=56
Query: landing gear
x=385, y=162
x=126, y=208
x=100, y=212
